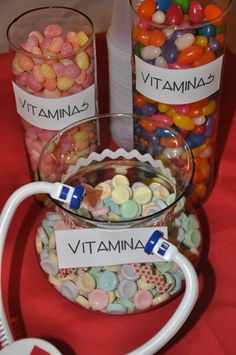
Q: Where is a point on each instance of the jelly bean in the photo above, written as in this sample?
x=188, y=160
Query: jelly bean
x=147, y=124
x=137, y=49
x=150, y=52
x=168, y=33
x=195, y=140
x=163, y=132
x=159, y=17
x=210, y=125
x=213, y=12
x=169, y=51
x=182, y=109
x=148, y=109
x=176, y=65
x=157, y=38
x=214, y=45
x=200, y=120
x=139, y=100
x=207, y=30
x=201, y=41
x=171, y=142
x=163, y=107
x=143, y=37
x=183, y=121
x=174, y=15
x=146, y=9
x=190, y=54
x=184, y=41
x=200, y=129
x=162, y=121
x=195, y=12
x=209, y=109
x=184, y=5
x=205, y=58
x=161, y=62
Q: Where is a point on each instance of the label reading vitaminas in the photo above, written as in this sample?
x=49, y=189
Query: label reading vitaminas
x=55, y=114
x=102, y=247
x=182, y=86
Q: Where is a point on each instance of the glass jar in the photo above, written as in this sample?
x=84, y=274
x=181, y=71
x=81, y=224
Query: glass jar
x=54, y=72
x=178, y=51
x=93, y=255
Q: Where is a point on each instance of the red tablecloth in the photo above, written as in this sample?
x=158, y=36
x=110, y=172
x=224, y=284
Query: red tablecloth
x=37, y=310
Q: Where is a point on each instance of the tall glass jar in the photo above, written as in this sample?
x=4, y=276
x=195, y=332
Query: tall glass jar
x=178, y=51
x=54, y=72
x=93, y=255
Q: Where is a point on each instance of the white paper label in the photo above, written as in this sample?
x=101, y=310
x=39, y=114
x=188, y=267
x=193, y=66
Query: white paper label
x=102, y=247
x=178, y=86
x=55, y=114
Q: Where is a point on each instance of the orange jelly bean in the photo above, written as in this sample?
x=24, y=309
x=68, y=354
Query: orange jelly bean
x=190, y=54
x=213, y=12
x=201, y=190
x=147, y=8
x=147, y=124
x=171, y=142
x=156, y=38
x=143, y=37
x=206, y=58
x=139, y=100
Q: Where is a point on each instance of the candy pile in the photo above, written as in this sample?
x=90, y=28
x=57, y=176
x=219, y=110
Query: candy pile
x=179, y=35
x=117, y=200
x=127, y=288
x=52, y=65
x=61, y=153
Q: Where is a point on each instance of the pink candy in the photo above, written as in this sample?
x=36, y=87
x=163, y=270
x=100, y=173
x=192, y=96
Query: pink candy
x=59, y=54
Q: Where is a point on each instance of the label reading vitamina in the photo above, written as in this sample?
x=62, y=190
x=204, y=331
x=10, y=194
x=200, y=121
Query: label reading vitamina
x=55, y=114
x=178, y=86
x=102, y=247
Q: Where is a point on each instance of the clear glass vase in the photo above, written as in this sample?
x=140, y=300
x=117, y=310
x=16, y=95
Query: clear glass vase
x=94, y=255
x=178, y=50
x=54, y=72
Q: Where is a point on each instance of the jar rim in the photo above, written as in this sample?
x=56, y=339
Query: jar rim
x=123, y=224
x=178, y=27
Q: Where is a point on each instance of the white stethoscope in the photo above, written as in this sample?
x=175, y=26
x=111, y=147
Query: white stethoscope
x=156, y=245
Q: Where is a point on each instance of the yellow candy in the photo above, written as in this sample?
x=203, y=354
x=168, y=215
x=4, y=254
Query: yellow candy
x=201, y=41
x=171, y=112
x=82, y=60
x=183, y=122
x=47, y=71
x=209, y=108
x=82, y=38
x=163, y=107
x=64, y=83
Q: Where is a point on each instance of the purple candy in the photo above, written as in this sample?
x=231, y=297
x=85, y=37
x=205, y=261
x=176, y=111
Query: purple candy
x=169, y=51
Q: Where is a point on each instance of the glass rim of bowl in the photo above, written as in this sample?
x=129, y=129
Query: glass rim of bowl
x=21, y=51
x=122, y=223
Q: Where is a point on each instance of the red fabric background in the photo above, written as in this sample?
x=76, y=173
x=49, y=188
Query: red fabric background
x=37, y=310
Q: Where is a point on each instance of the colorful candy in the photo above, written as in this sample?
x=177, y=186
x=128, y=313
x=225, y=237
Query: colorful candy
x=52, y=64
x=127, y=288
x=194, y=35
